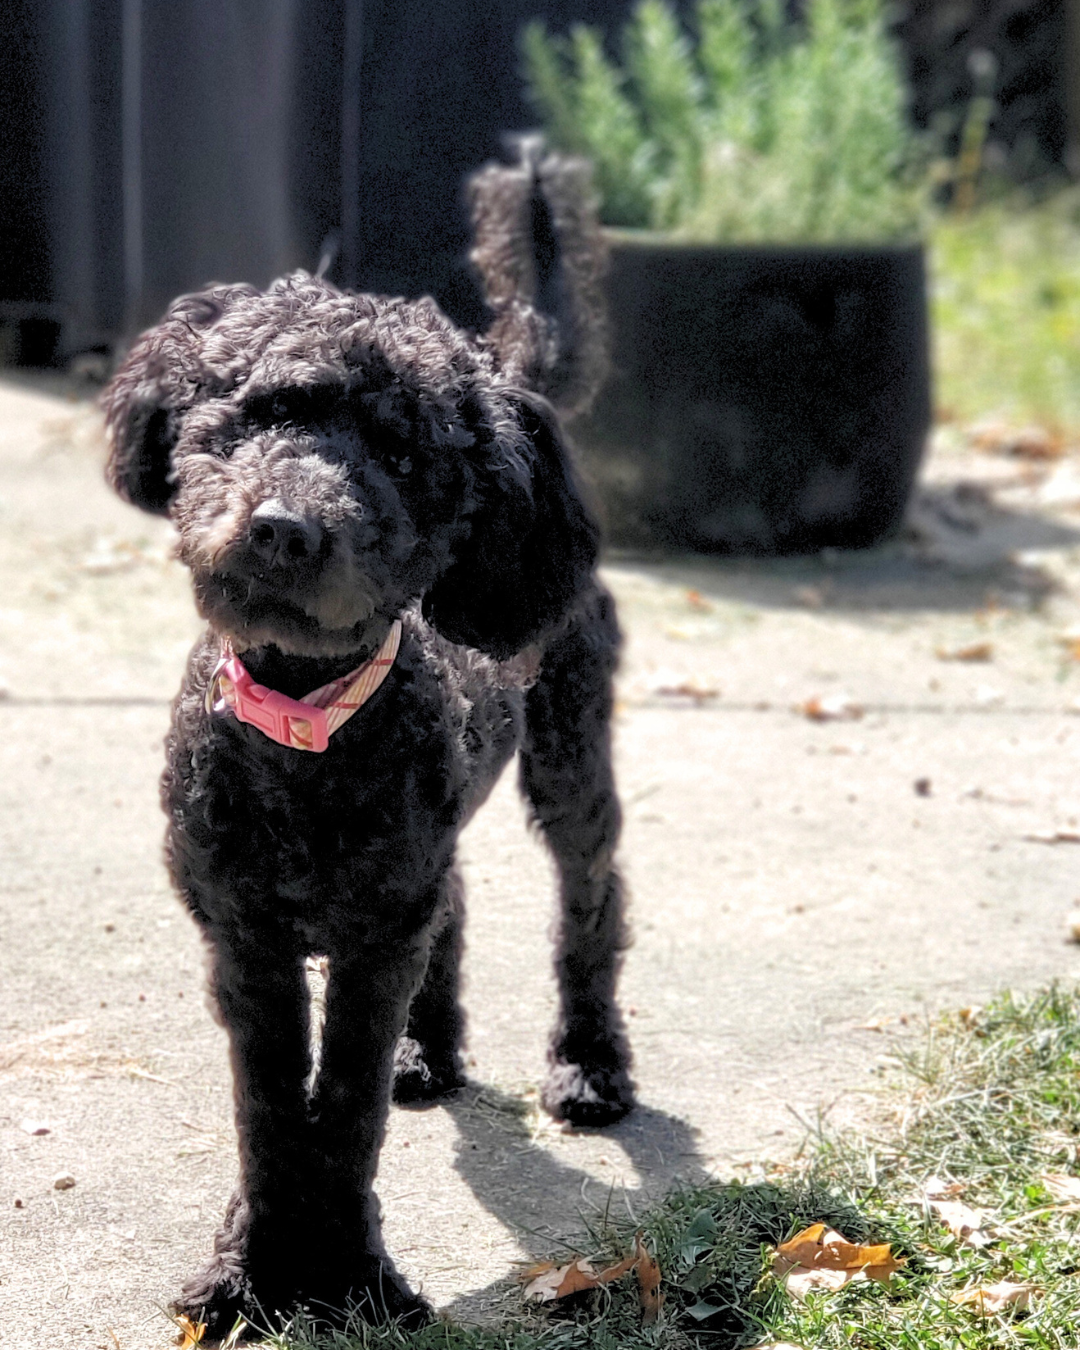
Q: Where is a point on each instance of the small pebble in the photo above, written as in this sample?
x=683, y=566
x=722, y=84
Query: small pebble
x=18, y=1202
x=63, y=1182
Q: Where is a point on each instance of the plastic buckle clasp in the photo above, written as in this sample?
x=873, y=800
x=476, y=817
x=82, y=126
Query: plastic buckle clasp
x=286, y=720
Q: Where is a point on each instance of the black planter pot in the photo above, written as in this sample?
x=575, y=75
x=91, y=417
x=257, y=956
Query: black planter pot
x=762, y=400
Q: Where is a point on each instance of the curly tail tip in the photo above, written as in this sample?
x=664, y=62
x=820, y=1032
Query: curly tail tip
x=542, y=257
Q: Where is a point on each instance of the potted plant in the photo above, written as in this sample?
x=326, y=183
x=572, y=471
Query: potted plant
x=770, y=386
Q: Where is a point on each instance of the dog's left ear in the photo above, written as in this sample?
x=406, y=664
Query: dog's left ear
x=532, y=547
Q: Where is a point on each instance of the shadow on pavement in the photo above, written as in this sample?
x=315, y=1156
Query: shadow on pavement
x=545, y=1200
x=958, y=551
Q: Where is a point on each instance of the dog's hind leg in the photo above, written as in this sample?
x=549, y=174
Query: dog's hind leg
x=427, y=1062
x=368, y=993
x=262, y=999
x=567, y=776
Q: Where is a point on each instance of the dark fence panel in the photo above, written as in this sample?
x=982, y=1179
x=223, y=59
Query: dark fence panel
x=147, y=148
x=150, y=148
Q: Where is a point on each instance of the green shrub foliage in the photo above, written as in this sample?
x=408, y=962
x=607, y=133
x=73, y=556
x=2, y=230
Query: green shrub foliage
x=750, y=129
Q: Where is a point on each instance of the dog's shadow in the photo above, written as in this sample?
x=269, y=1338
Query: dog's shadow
x=547, y=1201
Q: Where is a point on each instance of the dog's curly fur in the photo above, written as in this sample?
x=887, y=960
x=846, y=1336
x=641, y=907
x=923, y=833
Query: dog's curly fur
x=333, y=461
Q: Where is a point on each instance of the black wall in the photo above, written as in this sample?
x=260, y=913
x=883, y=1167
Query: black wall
x=242, y=124
x=236, y=171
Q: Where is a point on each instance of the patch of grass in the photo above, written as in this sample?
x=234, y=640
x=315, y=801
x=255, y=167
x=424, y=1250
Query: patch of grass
x=988, y=1102
x=1006, y=312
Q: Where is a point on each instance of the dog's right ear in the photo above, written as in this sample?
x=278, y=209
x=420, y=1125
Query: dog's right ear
x=159, y=380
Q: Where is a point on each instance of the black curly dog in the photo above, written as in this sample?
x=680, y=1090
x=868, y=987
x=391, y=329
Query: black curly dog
x=333, y=463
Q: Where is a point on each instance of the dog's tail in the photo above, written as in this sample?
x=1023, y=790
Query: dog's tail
x=542, y=258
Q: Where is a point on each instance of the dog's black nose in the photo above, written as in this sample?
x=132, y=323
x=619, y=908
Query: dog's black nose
x=281, y=535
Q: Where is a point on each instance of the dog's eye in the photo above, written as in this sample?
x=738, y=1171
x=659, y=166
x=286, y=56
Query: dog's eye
x=280, y=406
x=399, y=465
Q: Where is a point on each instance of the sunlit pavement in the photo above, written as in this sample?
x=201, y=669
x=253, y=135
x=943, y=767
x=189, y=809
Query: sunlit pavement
x=837, y=819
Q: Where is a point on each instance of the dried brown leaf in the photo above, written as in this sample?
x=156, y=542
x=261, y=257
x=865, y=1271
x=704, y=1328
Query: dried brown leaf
x=190, y=1333
x=962, y=1221
x=934, y=1188
x=1071, y=644
x=821, y=1258
x=990, y=1299
x=648, y=1276
x=1062, y=1186
x=830, y=708
x=700, y=693
x=974, y=651
x=561, y=1281
x=619, y=1269
x=1030, y=442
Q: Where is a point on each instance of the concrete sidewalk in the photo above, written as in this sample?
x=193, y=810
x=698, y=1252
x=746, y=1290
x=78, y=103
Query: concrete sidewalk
x=792, y=888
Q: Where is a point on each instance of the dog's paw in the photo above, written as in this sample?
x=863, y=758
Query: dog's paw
x=587, y=1097
x=419, y=1079
x=219, y=1294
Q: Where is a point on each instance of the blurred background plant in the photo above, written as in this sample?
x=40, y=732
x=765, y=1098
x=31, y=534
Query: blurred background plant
x=1005, y=307
x=751, y=130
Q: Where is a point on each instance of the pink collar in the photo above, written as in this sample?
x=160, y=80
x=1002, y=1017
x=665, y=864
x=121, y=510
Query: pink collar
x=301, y=724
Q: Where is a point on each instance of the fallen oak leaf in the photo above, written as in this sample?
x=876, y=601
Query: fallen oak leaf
x=933, y=1187
x=190, y=1333
x=974, y=651
x=557, y=1282
x=962, y=1221
x=1061, y=1186
x=545, y=1282
x=689, y=689
x=821, y=1258
x=648, y=1276
x=1071, y=643
x=619, y=1269
x=990, y=1299
x=1053, y=837
x=830, y=708
x=1030, y=442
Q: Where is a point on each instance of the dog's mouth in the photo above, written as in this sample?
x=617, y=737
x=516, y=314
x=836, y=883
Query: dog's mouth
x=330, y=621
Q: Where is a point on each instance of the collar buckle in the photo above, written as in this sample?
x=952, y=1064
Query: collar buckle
x=300, y=726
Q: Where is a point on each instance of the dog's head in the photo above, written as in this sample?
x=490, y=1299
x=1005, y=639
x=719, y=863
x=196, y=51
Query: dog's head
x=329, y=458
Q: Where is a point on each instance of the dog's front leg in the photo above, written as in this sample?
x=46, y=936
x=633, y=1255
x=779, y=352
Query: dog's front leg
x=262, y=999
x=367, y=1002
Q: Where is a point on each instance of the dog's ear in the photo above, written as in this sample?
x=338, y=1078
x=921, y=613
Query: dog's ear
x=160, y=378
x=532, y=546
x=142, y=433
